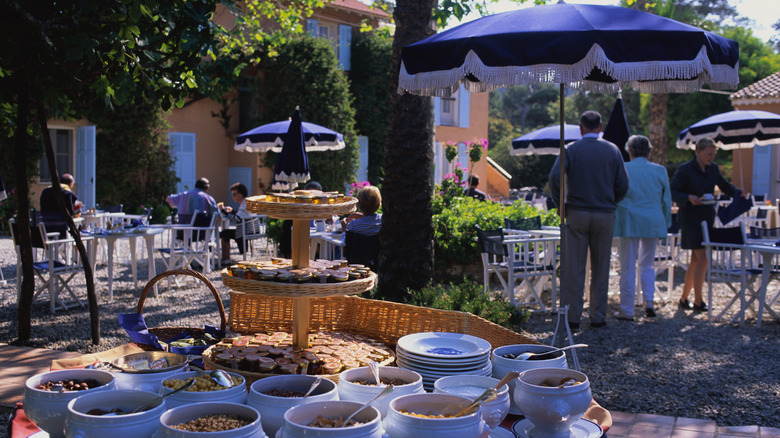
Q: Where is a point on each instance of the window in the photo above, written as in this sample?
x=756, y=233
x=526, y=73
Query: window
x=449, y=107
x=324, y=32
x=247, y=104
x=62, y=144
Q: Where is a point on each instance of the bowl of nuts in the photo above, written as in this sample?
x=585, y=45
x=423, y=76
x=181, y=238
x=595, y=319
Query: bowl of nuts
x=215, y=386
x=211, y=419
x=274, y=395
x=46, y=395
x=111, y=414
x=325, y=419
x=358, y=384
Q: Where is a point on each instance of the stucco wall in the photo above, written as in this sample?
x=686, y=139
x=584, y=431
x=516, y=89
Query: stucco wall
x=742, y=175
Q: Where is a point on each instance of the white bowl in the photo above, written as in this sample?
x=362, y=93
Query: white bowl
x=400, y=425
x=47, y=409
x=79, y=424
x=362, y=393
x=183, y=414
x=236, y=394
x=272, y=408
x=552, y=409
x=298, y=418
x=503, y=365
x=149, y=382
x=471, y=387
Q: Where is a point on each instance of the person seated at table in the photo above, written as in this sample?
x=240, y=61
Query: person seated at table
x=50, y=210
x=239, y=193
x=193, y=200
x=361, y=241
x=285, y=242
x=473, y=191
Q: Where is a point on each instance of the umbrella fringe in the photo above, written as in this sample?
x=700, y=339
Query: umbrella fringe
x=293, y=177
x=700, y=69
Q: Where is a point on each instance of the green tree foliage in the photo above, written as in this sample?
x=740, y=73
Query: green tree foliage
x=306, y=73
x=370, y=83
x=138, y=131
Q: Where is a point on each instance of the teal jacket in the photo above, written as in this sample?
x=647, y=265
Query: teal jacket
x=646, y=209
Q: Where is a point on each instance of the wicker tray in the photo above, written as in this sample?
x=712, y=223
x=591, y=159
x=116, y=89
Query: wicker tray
x=384, y=321
x=251, y=377
x=312, y=290
x=166, y=333
x=294, y=210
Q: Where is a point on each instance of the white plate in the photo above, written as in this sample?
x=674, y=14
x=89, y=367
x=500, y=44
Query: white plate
x=444, y=345
x=444, y=373
x=441, y=370
x=478, y=361
x=500, y=432
x=581, y=429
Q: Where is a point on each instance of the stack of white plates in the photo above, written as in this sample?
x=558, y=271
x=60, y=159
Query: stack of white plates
x=437, y=354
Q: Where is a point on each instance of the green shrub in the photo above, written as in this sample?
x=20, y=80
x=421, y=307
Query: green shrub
x=160, y=214
x=468, y=296
x=455, y=235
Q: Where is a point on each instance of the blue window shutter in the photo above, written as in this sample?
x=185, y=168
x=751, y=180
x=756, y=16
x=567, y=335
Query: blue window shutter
x=345, y=47
x=183, y=149
x=437, y=111
x=464, y=104
x=85, y=170
x=463, y=155
x=312, y=27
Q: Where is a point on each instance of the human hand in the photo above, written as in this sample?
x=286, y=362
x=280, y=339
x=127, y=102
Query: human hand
x=695, y=200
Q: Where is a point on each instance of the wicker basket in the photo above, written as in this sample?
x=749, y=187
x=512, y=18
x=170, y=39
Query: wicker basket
x=251, y=377
x=166, y=333
x=384, y=321
x=291, y=290
x=294, y=210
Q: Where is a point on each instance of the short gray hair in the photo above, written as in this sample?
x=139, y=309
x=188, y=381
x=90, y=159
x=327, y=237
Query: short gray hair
x=638, y=145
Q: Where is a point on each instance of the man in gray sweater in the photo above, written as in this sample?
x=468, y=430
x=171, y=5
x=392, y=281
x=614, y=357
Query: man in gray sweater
x=596, y=180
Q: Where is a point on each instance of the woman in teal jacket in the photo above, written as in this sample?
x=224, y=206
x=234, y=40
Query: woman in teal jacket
x=641, y=218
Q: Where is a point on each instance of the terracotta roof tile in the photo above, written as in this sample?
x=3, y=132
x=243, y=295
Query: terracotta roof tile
x=766, y=88
x=357, y=5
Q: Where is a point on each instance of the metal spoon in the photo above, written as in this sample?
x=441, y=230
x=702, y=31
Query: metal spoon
x=489, y=395
x=384, y=392
x=512, y=375
x=151, y=402
x=374, y=367
x=313, y=386
x=527, y=355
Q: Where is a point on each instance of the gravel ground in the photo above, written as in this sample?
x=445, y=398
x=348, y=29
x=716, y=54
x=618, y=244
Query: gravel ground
x=678, y=364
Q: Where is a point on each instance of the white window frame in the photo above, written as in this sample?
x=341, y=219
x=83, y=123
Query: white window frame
x=45, y=177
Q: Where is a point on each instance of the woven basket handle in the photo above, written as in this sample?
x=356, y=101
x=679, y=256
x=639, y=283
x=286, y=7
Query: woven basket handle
x=191, y=273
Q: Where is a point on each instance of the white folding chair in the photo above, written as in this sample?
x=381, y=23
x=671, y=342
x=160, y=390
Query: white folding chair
x=252, y=229
x=728, y=263
x=198, y=243
x=531, y=262
x=493, y=254
x=57, y=268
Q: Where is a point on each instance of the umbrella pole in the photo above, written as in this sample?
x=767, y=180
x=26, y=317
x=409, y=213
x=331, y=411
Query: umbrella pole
x=562, y=205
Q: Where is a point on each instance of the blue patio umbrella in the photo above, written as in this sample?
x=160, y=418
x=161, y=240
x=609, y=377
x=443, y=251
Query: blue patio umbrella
x=270, y=137
x=292, y=164
x=545, y=141
x=590, y=47
x=733, y=130
x=616, y=130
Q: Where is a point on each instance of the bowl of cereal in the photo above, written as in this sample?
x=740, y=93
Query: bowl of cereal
x=108, y=413
x=358, y=384
x=325, y=419
x=205, y=389
x=46, y=395
x=274, y=395
x=211, y=419
x=433, y=416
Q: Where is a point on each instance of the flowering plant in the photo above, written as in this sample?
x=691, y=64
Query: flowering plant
x=450, y=151
x=452, y=185
x=476, y=149
x=355, y=187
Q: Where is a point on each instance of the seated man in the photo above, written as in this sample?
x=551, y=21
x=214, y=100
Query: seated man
x=50, y=210
x=193, y=200
x=361, y=242
x=239, y=193
x=473, y=191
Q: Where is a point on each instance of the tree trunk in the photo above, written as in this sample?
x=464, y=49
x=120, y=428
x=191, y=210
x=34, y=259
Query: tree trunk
x=406, y=258
x=94, y=315
x=658, y=110
x=21, y=141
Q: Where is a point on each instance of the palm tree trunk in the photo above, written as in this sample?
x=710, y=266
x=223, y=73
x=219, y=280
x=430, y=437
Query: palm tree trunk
x=658, y=110
x=406, y=258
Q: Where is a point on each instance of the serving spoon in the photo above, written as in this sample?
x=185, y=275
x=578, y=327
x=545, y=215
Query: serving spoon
x=384, y=392
x=374, y=367
x=527, y=355
x=490, y=393
x=313, y=387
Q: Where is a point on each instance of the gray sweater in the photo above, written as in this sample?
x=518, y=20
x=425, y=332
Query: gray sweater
x=596, y=178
